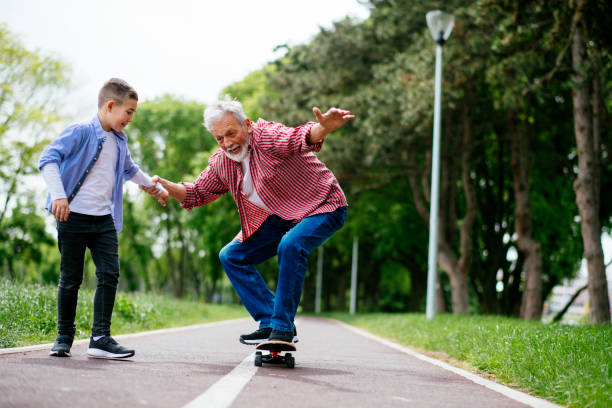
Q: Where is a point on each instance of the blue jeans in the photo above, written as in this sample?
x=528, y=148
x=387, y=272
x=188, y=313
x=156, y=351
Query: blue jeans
x=292, y=243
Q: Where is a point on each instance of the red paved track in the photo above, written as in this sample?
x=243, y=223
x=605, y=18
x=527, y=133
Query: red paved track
x=334, y=367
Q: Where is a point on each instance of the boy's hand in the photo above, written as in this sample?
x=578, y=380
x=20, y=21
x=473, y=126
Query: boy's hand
x=60, y=209
x=160, y=195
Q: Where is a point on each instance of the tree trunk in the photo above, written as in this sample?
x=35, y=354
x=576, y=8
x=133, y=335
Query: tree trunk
x=596, y=108
x=172, y=272
x=467, y=224
x=182, y=261
x=456, y=268
x=440, y=306
x=459, y=293
x=446, y=259
x=531, y=305
x=587, y=191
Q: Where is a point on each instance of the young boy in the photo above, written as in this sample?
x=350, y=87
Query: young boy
x=84, y=169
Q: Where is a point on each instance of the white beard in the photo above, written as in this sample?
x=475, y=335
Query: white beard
x=239, y=157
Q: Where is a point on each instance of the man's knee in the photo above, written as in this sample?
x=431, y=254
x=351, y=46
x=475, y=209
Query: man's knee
x=288, y=246
x=227, y=254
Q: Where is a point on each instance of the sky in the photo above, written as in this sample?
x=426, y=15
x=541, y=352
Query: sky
x=189, y=48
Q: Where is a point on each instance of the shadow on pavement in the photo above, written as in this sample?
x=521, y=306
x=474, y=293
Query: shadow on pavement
x=304, y=375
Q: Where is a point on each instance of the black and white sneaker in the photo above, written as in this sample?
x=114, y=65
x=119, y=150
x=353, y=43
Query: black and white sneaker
x=62, y=345
x=258, y=336
x=107, y=347
x=278, y=335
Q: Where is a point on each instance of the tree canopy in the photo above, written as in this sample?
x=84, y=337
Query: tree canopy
x=512, y=212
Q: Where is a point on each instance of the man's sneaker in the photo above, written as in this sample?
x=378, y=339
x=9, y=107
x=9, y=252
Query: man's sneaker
x=258, y=336
x=62, y=345
x=278, y=335
x=107, y=347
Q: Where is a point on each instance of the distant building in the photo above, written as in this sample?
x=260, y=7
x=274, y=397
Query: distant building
x=561, y=294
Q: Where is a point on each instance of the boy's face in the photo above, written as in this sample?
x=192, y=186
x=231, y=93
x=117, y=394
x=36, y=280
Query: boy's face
x=118, y=116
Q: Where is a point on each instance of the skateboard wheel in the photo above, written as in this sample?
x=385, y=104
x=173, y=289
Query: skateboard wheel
x=290, y=360
x=258, y=362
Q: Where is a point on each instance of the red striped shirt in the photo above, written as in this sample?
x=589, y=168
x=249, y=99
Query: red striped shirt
x=290, y=180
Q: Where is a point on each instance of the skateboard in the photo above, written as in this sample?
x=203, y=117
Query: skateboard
x=274, y=357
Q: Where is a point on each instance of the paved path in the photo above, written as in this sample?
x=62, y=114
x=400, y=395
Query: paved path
x=207, y=367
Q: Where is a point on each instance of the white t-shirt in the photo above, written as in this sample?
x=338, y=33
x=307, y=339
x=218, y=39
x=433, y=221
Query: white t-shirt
x=248, y=189
x=94, y=196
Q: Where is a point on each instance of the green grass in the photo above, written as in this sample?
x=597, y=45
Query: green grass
x=570, y=365
x=28, y=313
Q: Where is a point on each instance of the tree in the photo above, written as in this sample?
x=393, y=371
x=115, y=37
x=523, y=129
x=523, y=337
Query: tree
x=587, y=184
x=30, y=89
x=515, y=66
x=25, y=240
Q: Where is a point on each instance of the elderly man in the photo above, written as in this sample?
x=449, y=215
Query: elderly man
x=289, y=203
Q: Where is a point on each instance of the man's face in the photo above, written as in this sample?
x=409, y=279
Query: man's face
x=232, y=136
x=120, y=115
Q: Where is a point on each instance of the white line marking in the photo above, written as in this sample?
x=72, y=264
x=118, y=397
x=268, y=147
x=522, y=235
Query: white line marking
x=124, y=336
x=222, y=393
x=516, y=395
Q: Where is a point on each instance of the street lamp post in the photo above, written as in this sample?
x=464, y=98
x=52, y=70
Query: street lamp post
x=440, y=25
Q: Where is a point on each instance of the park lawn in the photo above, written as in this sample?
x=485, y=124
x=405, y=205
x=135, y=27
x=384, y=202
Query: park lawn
x=570, y=365
x=28, y=313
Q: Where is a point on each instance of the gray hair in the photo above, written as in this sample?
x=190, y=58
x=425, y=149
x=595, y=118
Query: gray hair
x=217, y=110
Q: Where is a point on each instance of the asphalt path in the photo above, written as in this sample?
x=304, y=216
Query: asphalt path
x=206, y=366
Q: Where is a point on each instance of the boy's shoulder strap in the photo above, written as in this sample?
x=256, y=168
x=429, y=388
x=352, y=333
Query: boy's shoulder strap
x=93, y=161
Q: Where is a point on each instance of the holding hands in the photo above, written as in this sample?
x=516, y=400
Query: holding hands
x=156, y=192
x=169, y=189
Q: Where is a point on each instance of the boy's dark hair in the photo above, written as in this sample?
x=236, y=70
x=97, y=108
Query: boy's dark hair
x=116, y=89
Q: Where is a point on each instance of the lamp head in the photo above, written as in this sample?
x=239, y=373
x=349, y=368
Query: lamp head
x=440, y=25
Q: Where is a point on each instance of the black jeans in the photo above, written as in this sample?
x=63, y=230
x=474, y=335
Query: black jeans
x=73, y=237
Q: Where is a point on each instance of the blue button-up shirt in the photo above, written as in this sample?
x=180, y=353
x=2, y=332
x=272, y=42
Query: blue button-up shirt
x=75, y=150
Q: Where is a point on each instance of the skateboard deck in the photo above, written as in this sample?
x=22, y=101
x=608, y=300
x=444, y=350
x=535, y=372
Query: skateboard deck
x=275, y=357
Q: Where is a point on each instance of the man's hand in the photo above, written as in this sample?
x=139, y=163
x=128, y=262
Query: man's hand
x=328, y=122
x=60, y=209
x=163, y=198
x=333, y=118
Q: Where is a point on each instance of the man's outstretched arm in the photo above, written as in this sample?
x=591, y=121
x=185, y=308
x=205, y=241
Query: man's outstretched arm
x=328, y=122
